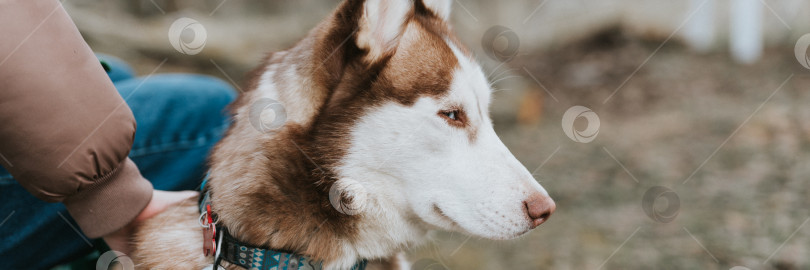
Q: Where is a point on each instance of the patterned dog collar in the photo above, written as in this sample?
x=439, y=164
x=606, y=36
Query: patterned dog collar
x=250, y=257
x=255, y=258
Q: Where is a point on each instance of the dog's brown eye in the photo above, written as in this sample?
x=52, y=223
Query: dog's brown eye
x=455, y=117
x=451, y=114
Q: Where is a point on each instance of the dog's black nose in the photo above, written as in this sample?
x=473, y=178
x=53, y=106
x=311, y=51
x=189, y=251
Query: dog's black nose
x=539, y=207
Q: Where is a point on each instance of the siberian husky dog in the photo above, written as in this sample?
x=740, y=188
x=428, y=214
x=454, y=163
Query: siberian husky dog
x=386, y=136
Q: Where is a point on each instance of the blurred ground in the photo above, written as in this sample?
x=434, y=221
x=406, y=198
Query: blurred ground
x=725, y=137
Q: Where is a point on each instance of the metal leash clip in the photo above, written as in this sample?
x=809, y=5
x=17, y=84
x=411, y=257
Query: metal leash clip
x=208, y=222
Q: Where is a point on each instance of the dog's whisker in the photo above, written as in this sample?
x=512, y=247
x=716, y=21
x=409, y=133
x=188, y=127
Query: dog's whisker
x=503, y=72
x=492, y=84
x=505, y=78
x=495, y=69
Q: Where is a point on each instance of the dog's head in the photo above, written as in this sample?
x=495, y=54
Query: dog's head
x=405, y=116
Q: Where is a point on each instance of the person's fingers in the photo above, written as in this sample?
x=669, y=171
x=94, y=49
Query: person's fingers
x=162, y=200
x=177, y=196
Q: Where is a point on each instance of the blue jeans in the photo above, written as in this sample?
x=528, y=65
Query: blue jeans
x=180, y=117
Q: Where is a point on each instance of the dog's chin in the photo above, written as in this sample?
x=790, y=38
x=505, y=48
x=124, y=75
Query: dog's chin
x=507, y=236
x=491, y=233
x=478, y=228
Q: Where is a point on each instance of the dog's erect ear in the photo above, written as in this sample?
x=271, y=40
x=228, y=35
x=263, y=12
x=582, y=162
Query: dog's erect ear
x=439, y=7
x=381, y=26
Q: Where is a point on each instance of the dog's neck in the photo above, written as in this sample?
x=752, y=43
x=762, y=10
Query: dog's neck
x=278, y=199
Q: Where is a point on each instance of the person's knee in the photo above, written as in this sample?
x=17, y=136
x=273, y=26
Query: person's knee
x=207, y=97
x=209, y=92
x=117, y=69
x=178, y=103
x=191, y=91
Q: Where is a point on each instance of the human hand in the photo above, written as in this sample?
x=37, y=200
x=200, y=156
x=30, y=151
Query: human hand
x=161, y=200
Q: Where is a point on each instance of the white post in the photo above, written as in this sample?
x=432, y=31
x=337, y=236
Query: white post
x=699, y=31
x=746, y=30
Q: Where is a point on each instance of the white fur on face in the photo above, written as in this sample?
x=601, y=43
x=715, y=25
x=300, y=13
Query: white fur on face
x=413, y=162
